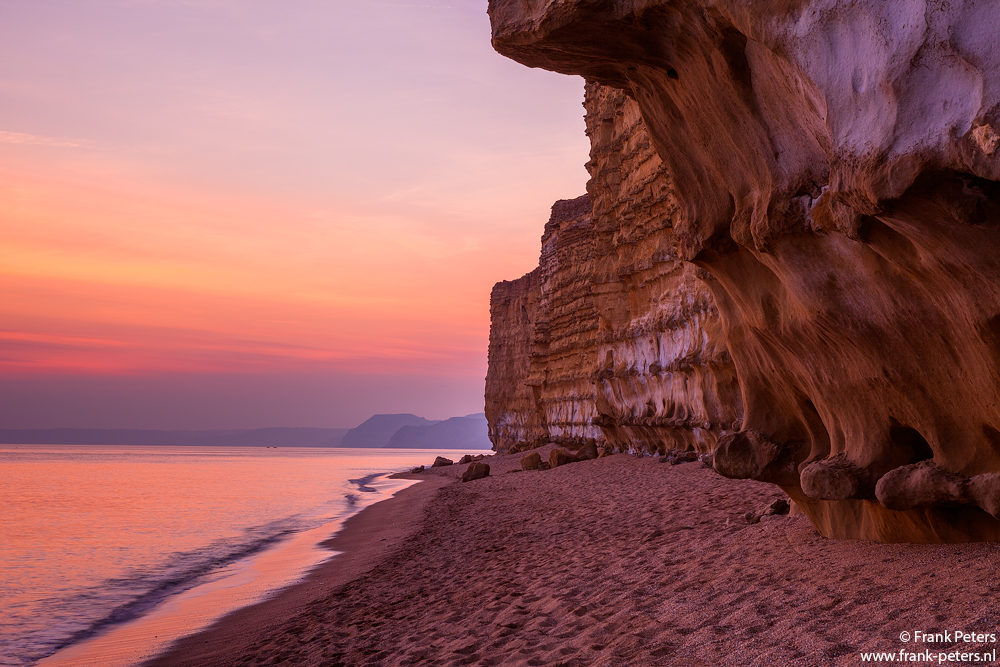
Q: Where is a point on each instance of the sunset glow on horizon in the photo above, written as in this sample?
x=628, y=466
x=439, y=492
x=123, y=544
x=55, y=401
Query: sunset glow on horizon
x=201, y=195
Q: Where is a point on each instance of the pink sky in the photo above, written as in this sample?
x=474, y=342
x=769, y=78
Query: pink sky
x=237, y=214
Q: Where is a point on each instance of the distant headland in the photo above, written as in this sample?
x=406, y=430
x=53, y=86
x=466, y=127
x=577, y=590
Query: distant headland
x=404, y=431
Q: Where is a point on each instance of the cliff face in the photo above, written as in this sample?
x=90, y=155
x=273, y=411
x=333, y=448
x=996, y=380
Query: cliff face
x=543, y=351
x=624, y=342
x=511, y=412
x=664, y=378
x=834, y=166
x=564, y=345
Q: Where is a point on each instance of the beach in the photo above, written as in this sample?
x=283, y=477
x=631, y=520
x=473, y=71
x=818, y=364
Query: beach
x=615, y=561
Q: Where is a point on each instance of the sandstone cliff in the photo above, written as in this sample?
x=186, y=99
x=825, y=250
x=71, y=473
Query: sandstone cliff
x=834, y=167
x=664, y=378
x=563, y=343
x=511, y=411
x=610, y=338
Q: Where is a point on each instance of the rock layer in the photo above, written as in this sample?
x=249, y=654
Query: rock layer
x=625, y=343
x=511, y=412
x=834, y=166
x=543, y=350
x=564, y=340
x=665, y=379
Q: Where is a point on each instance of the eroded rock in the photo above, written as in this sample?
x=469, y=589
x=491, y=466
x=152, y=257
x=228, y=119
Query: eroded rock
x=832, y=168
x=624, y=342
x=984, y=490
x=837, y=478
x=677, y=457
x=752, y=455
x=684, y=457
x=440, y=461
x=922, y=485
x=515, y=422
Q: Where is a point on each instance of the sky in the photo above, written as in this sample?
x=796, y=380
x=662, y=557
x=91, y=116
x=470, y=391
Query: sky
x=250, y=213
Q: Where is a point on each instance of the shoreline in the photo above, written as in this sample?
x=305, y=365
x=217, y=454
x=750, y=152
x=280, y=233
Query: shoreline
x=610, y=562
x=364, y=539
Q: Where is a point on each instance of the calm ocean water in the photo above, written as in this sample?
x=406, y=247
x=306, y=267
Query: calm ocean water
x=109, y=553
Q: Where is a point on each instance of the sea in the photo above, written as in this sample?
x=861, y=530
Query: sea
x=108, y=554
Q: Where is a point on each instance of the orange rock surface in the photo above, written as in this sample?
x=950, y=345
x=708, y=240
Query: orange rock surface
x=610, y=339
x=832, y=171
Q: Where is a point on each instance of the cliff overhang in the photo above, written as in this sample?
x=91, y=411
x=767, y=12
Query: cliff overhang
x=835, y=168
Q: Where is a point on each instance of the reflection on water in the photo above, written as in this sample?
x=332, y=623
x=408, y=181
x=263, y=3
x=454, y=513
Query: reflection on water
x=105, y=548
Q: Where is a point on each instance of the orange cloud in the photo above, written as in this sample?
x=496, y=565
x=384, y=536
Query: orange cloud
x=97, y=279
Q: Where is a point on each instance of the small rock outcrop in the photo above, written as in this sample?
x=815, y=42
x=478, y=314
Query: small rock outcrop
x=440, y=461
x=476, y=470
x=834, y=176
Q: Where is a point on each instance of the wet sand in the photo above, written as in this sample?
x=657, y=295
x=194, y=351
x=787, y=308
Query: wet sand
x=366, y=539
x=618, y=561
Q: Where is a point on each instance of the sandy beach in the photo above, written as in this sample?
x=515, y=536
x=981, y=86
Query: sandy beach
x=616, y=561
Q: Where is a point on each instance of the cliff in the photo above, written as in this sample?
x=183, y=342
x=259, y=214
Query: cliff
x=833, y=167
x=664, y=379
x=611, y=338
x=511, y=411
x=563, y=344
x=543, y=349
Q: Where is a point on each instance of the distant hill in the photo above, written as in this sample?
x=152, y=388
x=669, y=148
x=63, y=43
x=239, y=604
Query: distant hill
x=404, y=431
x=469, y=432
x=377, y=430
x=260, y=437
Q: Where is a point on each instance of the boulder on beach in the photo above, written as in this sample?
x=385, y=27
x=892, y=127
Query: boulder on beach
x=441, y=461
x=560, y=457
x=589, y=451
x=476, y=470
x=531, y=461
x=417, y=469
